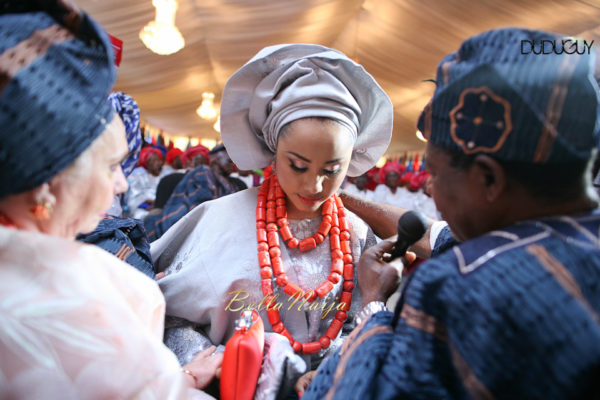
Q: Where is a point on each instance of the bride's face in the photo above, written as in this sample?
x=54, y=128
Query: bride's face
x=311, y=162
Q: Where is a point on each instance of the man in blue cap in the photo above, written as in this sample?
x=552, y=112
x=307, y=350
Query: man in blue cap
x=513, y=311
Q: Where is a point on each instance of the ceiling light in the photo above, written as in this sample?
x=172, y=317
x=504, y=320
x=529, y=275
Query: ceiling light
x=217, y=125
x=420, y=136
x=161, y=35
x=207, y=109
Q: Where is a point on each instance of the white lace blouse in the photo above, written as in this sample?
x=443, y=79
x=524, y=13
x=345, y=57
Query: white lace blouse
x=211, y=261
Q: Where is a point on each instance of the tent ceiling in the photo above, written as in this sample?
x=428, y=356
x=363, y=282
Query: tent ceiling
x=399, y=42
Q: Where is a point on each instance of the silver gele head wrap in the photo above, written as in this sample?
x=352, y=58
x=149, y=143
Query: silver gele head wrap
x=288, y=82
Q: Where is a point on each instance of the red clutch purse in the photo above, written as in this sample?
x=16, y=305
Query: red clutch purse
x=243, y=358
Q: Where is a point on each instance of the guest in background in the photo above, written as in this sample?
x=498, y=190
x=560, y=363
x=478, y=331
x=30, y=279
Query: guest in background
x=197, y=186
x=389, y=191
x=128, y=110
x=173, y=162
x=189, y=159
x=357, y=186
x=421, y=201
x=195, y=156
x=143, y=182
x=373, y=181
x=223, y=167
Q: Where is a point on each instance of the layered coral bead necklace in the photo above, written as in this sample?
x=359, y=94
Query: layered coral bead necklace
x=271, y=221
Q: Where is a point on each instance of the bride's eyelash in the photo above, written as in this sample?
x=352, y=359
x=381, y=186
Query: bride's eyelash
x=297, y=169
x=332, y=173
x=326, y=171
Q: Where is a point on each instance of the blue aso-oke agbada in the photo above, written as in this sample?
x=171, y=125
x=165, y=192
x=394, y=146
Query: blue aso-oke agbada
x=514, y=314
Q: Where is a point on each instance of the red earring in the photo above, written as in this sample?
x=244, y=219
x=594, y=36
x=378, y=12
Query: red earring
x=41, y=211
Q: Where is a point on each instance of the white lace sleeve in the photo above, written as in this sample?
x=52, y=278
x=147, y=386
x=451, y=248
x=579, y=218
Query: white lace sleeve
x=184, y=339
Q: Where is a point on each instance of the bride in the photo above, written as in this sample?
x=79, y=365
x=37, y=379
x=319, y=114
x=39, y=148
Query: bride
x=289, y=248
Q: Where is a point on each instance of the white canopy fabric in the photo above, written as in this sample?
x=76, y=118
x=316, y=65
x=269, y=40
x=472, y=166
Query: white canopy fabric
x=400, y=42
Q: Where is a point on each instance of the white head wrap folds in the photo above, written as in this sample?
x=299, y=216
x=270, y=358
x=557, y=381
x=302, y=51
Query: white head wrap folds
x=285, y=83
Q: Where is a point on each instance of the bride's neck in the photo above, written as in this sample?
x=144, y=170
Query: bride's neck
x=294, y=213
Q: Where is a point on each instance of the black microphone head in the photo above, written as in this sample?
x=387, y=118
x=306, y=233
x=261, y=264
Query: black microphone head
x=412, y=226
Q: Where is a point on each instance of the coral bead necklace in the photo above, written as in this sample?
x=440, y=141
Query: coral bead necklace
x=271, y=221
x=5, y=221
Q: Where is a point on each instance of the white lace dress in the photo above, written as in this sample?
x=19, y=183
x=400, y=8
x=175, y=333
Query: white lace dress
x=78, y=323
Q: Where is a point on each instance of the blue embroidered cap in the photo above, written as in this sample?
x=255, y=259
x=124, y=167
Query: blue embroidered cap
x=519, y=95
x=56, y=71
x=128, y=110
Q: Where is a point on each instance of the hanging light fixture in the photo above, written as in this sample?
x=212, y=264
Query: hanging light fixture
x=217, y=125
x=161, y=35
x=207, y=109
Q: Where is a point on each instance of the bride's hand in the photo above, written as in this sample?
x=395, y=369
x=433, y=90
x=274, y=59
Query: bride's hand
x=204, y=366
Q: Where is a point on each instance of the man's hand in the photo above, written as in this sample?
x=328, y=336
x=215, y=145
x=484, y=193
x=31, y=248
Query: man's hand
x=377, y=278
x=303, y=382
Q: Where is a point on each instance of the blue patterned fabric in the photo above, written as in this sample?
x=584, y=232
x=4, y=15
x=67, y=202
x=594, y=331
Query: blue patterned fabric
x=126, y=239
x=128, y=110
x=493, y=97
x=443, y=242
x=53, y=89
x=199, y=185
x=513, y=314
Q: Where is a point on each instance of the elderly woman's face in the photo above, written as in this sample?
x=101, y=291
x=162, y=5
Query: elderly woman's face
x=311, y=161
x=85, y=191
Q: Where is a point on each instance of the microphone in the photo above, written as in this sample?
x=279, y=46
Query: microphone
x=411, y=227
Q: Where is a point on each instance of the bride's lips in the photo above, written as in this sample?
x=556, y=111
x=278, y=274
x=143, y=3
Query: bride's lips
x=308, y=200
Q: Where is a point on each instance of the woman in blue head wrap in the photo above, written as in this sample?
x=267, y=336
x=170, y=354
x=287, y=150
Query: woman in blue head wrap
x=75, y=321
x=128, y=110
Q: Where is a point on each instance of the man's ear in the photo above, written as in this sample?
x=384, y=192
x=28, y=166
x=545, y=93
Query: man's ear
x=490, y=175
